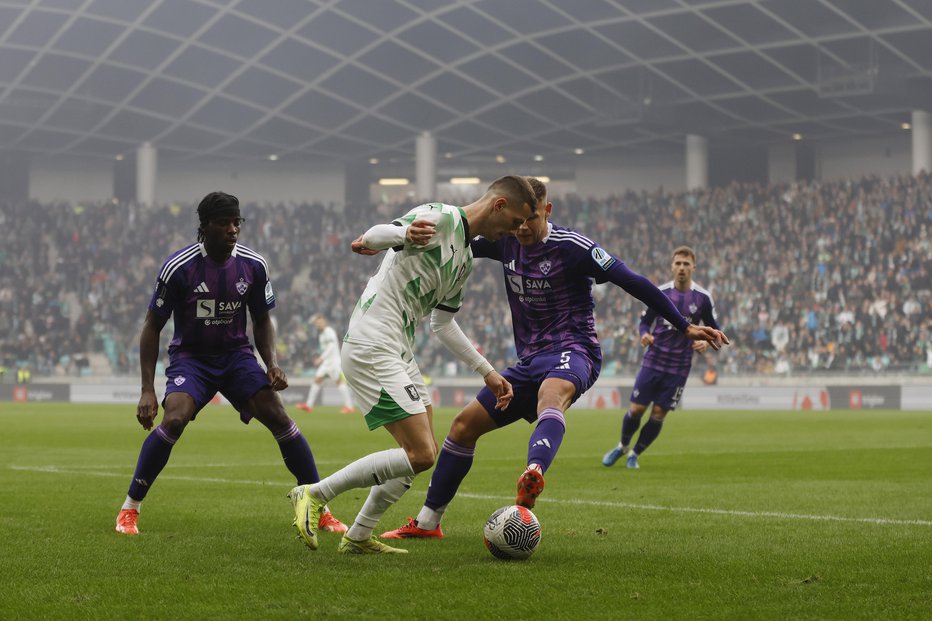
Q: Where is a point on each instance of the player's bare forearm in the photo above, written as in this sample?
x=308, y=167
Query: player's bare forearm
x=149, y=349
x=263, y=332
x=148, y=357
x=148, y=407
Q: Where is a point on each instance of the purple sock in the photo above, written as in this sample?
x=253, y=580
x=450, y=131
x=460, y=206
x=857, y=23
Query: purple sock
x=546, y=439
x=297, y=455
x=649, y=433
x=153, y=456
x=453, y=464
x=629, y=425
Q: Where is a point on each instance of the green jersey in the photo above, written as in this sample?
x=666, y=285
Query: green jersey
x=413, y=280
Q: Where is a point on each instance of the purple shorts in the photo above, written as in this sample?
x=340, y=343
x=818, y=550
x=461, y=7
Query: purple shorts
x=578, y=367
x=236, y=375
x=659, y=388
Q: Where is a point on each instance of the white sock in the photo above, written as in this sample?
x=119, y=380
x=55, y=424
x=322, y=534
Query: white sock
x=379, y=467
x=428, y=518
x=347, y=396
x=312, y=395
x=381, y=497
x=129, y=503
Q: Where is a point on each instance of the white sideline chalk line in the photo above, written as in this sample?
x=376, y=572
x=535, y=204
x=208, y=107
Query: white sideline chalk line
x=121, y=475
x=593, y=503
x=732, y=512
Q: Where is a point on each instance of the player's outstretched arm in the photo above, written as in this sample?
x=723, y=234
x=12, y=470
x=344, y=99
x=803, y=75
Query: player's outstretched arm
x=715, y=338
x=383, y=236
x=452, y=337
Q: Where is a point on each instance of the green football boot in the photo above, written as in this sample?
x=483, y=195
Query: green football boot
x=307, y=512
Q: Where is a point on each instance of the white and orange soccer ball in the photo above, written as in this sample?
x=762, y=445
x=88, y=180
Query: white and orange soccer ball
x=512, y=533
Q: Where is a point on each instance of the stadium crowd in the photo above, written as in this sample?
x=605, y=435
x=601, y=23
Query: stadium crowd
x=807, y=277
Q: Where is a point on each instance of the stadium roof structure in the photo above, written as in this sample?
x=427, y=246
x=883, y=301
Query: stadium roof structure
x=357, y=79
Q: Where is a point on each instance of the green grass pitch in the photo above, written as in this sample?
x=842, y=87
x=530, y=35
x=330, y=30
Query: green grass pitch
x=733, y=515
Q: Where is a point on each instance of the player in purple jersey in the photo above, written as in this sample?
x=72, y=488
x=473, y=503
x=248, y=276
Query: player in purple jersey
x=208, y=287
x=668, y=360
x=549, y=272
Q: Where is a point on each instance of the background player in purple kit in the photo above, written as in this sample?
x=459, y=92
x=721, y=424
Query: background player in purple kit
x=668, y=360
x=549, y=271
x=207, y=287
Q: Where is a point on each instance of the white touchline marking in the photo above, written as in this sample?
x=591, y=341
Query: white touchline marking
x=733, y=512
x=173, y=477
x=189, y=466
x=550, y=499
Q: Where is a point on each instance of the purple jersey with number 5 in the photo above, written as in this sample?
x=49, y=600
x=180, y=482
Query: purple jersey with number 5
x=549, y=287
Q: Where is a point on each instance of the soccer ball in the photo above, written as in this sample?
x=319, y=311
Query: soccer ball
x=512, y=533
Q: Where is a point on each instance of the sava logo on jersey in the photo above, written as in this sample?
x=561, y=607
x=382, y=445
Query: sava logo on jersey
x=526, y=285
x=213, y=308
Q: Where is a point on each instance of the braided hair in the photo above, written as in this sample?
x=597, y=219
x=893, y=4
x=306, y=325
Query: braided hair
x=215, y=205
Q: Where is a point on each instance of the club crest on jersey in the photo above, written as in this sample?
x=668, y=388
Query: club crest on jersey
x=179, y=380
x=604, y=259
x=692, y=309
x=241, y=286
x=545, y=267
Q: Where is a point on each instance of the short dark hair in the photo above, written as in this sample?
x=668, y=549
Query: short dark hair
x=684, y=250
x=515, y=188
